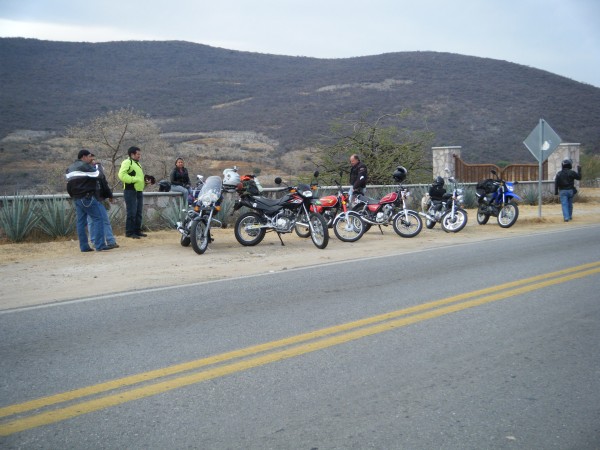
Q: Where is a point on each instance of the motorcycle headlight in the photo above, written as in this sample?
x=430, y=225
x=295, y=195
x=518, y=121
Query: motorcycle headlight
x=509, y=188
x=307, y=194
x=460, y=198
x=208, y=199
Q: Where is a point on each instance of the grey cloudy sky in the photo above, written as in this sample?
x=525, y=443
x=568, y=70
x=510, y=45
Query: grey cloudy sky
x=560, y=36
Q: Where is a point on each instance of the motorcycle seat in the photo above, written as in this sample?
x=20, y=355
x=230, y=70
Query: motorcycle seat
x=367, y=200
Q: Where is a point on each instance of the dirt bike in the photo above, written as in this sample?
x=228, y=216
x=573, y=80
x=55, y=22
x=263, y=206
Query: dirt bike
x=390, y=209
x=281, y=215
x=447, y=211
x=496, y=197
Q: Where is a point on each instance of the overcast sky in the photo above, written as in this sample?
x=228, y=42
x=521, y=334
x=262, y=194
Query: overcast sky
x=560, y=36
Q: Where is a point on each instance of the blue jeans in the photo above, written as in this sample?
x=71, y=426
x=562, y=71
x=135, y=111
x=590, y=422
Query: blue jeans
x=566, y=201
x=183, y=190
x=109, y=237
x=89, y=207
x=134, y=203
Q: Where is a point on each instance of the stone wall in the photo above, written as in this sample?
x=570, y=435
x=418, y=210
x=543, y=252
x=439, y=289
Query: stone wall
x=443, y=157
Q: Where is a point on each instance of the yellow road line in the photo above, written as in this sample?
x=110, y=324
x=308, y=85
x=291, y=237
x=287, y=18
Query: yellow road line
x=351, y=331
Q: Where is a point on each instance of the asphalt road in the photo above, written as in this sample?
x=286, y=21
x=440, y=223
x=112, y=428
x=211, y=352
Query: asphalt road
x=482, y=345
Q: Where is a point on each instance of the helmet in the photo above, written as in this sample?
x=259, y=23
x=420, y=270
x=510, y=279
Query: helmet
x=400, y=174
x=439, y=181
x=164, y=186
x=567, y=164
x=231, y=178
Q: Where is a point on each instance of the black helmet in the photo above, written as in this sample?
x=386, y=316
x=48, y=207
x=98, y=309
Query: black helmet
x=439, y=181
x=164, y=186
x=567, y=164
x=400, y=174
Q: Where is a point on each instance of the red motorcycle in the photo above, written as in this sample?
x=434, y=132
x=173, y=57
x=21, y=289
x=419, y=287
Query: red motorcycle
x=347, y=224
x=390, y=209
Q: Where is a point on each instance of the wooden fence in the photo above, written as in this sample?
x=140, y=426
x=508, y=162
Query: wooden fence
x=472, y=173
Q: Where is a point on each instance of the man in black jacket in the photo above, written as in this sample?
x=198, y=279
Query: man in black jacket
x=82, y=186
x=105, y=197
x=358, y=175
x=564, y=185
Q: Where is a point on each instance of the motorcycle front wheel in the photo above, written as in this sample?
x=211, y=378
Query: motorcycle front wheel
x=197, y=235
x=318, y=230
x=348, y=229
x=246, y=229
x=454, y=224
x=407, y=223
x=508, y=215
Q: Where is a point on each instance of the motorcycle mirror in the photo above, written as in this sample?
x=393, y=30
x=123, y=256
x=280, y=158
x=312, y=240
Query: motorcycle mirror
x=278, y=180
x=494, y=172
x=316, y=174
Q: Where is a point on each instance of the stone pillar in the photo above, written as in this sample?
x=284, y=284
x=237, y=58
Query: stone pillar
x=443, y=158
x=564, y=151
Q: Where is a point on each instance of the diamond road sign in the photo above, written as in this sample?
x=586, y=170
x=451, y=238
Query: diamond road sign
x=542, y=141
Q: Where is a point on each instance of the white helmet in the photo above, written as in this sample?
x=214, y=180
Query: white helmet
x=231, y=177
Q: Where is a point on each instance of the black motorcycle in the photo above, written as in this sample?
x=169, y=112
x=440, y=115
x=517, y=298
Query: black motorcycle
x=195, y=228
x=447, y=210
x=282, y=215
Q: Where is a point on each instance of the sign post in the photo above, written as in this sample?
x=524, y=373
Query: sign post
x=541, y=142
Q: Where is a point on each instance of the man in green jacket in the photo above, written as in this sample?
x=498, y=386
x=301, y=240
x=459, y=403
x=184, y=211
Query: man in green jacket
x=132, y=176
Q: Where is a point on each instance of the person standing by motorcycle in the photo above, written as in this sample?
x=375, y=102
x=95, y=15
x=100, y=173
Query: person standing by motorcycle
x=180, y=179
x=132, y=176
x=105, y=197
x=82, y=180
x=564, y=185
x=358, y=175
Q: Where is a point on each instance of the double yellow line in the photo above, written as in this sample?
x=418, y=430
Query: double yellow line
x=46, y=410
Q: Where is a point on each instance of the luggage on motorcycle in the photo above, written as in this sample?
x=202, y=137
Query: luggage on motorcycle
x=248, y=186
x=487, y=186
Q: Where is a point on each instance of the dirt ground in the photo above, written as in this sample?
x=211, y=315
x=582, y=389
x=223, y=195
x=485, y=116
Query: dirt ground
x=34, y=274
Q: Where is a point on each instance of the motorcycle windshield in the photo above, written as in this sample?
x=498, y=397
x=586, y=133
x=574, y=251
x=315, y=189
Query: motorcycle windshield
x=211, y=190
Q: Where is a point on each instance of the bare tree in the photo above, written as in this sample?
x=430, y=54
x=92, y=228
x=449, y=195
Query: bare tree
x=381, y=144
x=110, y=135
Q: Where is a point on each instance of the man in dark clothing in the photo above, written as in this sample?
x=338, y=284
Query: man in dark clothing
x=358, y=175
x=82, y=186
x=564, y=185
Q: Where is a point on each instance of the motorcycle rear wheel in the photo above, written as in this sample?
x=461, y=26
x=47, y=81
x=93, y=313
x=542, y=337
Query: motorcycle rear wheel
x=301, y=231
x=482, y=218
x=348, y=229
x=199, y=241
x=248, y=236
x=407, y=223
x=508, y=215
x=318, y=230
x=454, y=226
x=360, y=209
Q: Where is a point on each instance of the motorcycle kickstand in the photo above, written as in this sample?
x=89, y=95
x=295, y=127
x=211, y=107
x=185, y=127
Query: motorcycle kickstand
x=380, y=229
x=279, y=236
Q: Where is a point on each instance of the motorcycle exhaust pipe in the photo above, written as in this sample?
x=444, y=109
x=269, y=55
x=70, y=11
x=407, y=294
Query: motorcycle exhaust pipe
x=372, y=222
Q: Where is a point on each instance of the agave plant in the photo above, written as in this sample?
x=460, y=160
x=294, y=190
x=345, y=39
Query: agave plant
x=18, y=217
x=55, y=218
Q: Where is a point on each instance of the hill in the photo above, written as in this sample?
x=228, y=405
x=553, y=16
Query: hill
x=487, y=106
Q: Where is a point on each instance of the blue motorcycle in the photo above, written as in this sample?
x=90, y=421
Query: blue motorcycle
x=496, y=197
